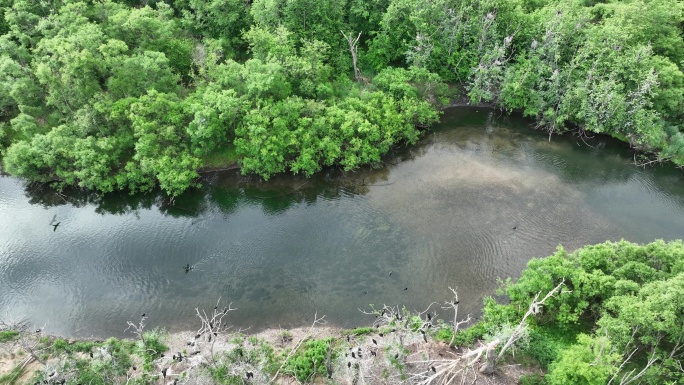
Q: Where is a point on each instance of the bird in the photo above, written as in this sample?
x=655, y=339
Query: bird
x=406, y=288
x=348, y=339
x=390, y=274
x=433, y=369
x=349, y=364
x=55, y=226
x=373, y=353
x=381, y=335
x=144, y=315
x=187, y=268
x=515, y=227
x=374, y=341
x=353, y=355
x=250, y=375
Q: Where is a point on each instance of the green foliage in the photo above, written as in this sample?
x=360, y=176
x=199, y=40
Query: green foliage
x=361, y=331
x=85, y=86
x=60, y=346
x=110, y=363
x=620, y=307
x=589, y=362
x=153, y=343
x=8, y=335
x=251, y=353
x=532, y=379
x=306, y=362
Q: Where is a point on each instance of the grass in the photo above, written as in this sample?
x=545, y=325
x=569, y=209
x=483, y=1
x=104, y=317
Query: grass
x=223, y=157
x=360, y=331
x=8, y=335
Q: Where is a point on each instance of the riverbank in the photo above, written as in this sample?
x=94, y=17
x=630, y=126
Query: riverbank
x=390, y=354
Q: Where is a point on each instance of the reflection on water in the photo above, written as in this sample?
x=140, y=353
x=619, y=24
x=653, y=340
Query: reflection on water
x=474, y=201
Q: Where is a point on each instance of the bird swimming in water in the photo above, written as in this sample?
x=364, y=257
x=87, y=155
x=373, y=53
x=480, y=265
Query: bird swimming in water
x=515, y=227
x=187, y=268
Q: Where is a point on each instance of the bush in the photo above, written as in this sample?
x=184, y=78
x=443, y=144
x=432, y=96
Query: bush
x=307, y=362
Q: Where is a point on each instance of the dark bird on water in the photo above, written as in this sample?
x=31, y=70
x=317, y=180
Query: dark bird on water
x=406, y=288
x=433, y=369
x=515, y=227
x=187, y=268
x=349, y=364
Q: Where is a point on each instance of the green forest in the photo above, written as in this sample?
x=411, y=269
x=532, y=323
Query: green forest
x=128, y=95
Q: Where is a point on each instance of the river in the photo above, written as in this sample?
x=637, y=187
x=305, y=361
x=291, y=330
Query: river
x=472, y=202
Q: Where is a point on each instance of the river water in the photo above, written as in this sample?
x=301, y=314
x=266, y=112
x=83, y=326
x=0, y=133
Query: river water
x=472, y=202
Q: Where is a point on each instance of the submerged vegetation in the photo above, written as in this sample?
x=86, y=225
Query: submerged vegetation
x=608, y=313
x=124, y=94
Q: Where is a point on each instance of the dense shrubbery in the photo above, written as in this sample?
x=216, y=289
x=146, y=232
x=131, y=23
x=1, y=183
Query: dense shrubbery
x=119, y=94
x=620, y=313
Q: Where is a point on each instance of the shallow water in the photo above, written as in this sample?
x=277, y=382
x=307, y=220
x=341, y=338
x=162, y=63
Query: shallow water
x=439, y=214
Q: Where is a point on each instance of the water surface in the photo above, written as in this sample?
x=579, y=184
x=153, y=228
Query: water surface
x=438, y=214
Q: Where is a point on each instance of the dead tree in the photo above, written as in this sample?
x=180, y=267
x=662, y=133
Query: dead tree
x=213, y=325
x=445, y=371
x=139, y=329
x=353, y=48
x=453, y=304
